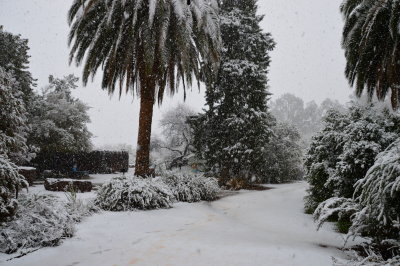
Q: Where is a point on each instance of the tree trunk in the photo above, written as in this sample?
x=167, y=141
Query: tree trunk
x=145, y=121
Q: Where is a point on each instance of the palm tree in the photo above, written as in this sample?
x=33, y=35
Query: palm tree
x=371, y=43
x=144, y=46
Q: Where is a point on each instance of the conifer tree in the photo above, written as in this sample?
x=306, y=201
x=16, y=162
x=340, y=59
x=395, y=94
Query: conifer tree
x=236, y=124
x=14, y=59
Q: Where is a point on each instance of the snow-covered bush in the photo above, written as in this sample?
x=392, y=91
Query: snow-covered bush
x=10, y=183
x=374, y=210
x=380, y=198
x=340, y=207
x=41, y=220
x=191, y=187
x=368, y=257
x=321, y=158
x=345, y=149
x=127, y=193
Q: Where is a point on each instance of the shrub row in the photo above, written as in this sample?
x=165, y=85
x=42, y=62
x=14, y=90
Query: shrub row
x=128, y=193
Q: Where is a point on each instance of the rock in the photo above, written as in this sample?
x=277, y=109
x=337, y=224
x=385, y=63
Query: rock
x=68, y=185
x=29, y=173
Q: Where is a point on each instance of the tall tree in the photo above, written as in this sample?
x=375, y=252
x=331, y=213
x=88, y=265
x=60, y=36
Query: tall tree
x=146, y=45
x=14, y=59
x=59, y=121
x=13, y=119
x=237, y=120
x=371, y=42
x=16, y=85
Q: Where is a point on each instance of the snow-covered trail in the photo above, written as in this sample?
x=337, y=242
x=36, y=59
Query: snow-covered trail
x=249, y=228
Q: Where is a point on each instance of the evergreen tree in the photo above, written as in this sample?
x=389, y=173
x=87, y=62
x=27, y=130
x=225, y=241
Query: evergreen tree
x=236, y=123
x=13, y=119
x=59, y=121
x=14, y=59
x=16, y=84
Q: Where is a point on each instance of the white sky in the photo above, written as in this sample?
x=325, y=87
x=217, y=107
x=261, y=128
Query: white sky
x=308, y=60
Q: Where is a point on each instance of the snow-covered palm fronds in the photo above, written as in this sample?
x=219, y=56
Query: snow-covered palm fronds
x=191, y=187
x=370, y=39
x=133, y=40
x=41, y=220
x=128, y=193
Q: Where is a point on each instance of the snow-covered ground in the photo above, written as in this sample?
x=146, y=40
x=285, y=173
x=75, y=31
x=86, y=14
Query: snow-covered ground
x=247, y=228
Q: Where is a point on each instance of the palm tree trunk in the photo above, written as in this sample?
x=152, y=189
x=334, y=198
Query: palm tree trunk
x=145, y=121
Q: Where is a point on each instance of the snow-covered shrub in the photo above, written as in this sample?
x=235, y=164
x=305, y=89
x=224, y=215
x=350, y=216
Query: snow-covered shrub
x=77, y=208
x=321, y=158
x=369, y=257
x=345, y=149
x=127, y=193
x=340, y=207
x=374, y=210
x=41, y=220
x=191, y=187
x=380, y=198
x=10, y=182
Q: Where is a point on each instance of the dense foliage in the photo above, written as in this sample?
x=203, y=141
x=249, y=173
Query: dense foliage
x=13, y=119
x=236, y=126
x=373, y=211
x=345, y=149
x=14, y=59
x=16, y=85
x=353, y=167
x=59, y=121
